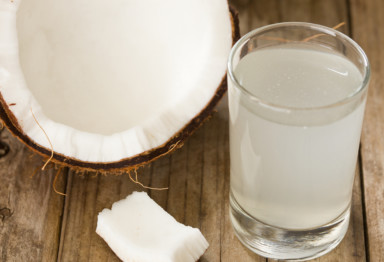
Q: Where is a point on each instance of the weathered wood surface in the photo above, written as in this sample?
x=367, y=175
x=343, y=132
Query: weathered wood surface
x=37, y=224
x=30, y=211
x=367, y=29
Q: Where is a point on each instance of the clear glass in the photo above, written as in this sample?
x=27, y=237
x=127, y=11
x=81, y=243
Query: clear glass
x=297, y=95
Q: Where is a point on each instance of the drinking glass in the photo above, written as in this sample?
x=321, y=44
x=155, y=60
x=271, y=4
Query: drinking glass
x=297, y=94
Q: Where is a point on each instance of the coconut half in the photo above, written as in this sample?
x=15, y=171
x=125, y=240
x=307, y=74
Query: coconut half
x=113, y=84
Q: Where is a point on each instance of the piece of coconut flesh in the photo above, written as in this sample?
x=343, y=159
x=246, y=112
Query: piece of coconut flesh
x=109, y=80
x=137, y=229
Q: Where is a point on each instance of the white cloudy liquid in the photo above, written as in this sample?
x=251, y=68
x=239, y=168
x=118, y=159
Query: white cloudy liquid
x=294, y=170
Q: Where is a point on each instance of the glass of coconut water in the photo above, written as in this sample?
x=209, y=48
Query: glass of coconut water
x=297, y=94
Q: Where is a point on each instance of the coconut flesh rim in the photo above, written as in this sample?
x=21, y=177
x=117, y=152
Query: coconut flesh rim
x=109, y=80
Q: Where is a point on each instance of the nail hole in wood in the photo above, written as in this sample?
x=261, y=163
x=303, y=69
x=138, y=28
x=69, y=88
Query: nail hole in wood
x=5, y=213
x=4, y=149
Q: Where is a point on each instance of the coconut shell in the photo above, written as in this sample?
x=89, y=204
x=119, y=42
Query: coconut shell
x=136, y=161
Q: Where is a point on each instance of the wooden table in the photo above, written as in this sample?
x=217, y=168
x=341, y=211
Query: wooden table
x=37, y=224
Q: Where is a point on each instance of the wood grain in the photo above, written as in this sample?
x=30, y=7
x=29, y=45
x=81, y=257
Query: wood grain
x=367, y=17
x=89, y=194
x=38, y=225
x=30, y=211
x=198, y=174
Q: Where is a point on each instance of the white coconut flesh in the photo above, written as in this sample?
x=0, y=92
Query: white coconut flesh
x=138, y=229
x=108, y=80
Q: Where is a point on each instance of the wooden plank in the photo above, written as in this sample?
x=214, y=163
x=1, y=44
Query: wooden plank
x=176, y=201
x=212, y=195
x=160, y=178
x=30, y=211
x=89, y=194
x=367, y=30
x=325, y=12
x=197, y=174
x=193, y=188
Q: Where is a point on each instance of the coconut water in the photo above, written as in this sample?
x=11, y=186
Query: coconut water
x=293, y=152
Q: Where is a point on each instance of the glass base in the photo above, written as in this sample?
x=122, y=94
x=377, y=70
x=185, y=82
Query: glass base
x=279, y=243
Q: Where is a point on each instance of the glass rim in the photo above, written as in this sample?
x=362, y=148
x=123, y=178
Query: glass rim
x=320, y=28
